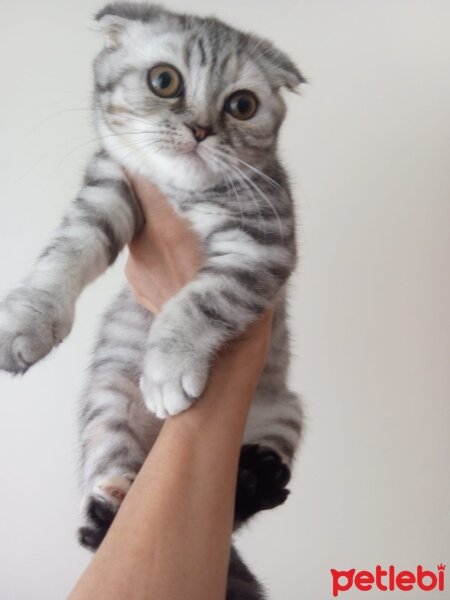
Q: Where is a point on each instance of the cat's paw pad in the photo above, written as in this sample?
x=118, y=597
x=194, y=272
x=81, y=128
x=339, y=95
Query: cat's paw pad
x=262, y=480
x=171, y=382
x=31, y=324
x=101, y=507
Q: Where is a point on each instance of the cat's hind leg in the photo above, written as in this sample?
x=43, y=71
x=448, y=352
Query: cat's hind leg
x=116, y=429
x=270, y=440
x=241, y=583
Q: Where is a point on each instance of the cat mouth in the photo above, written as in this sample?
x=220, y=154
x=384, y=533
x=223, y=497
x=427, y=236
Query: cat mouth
x=190, y=149
x=189, y=152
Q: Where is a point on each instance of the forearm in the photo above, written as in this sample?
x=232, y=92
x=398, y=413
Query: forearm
x=176, y=520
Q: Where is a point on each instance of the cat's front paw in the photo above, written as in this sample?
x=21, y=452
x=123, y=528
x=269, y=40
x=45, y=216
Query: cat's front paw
x=172, y=379
x=32, y=322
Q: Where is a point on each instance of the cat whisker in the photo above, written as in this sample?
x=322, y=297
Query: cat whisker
x=127, y=116
x=252, y=194
x=49, y=117
x=257, y=189
x=269, y=180
x=230, y=169
x=91, y=141
x=230, y=180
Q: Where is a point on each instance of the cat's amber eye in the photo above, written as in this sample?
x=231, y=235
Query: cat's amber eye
x=241, y=105
x=165, y=81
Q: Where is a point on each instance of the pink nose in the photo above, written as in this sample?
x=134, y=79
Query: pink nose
x=200, y=132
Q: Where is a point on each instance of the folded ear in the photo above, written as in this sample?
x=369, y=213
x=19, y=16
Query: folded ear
x=113, y=28
x=281, y=70
x=287, y=71
x=115, y=17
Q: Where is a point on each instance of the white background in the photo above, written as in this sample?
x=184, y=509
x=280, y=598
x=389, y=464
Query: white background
x=368, y=148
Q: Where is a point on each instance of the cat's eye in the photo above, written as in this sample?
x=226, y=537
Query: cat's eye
x=165, y=81
x=242, y=105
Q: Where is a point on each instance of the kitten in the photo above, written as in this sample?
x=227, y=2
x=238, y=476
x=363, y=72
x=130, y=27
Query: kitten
x=195, y=106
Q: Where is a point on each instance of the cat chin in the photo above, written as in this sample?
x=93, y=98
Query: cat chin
x=185, y=171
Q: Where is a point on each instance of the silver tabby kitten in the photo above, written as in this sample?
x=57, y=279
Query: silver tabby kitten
x=195, y=106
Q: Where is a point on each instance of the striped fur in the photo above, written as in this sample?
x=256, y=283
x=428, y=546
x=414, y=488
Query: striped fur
x=38, y=315
x=234, y=192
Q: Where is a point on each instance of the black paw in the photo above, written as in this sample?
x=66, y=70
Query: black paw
x=262, y=480
x=100, y=515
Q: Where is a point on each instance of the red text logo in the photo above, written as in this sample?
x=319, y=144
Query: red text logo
x=388, y=580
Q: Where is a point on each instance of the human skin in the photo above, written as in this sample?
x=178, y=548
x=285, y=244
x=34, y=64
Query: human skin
x=171, y=536
x=166, y=255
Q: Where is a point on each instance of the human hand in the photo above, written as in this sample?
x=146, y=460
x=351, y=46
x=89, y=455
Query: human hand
x=164, y=258
x=165, y=255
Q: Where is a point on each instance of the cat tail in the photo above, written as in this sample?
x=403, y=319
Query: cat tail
x=242, y=584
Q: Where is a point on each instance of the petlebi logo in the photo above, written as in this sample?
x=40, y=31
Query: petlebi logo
x=388, y=580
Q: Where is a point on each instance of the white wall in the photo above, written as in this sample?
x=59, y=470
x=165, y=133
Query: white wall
x=367, y=146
